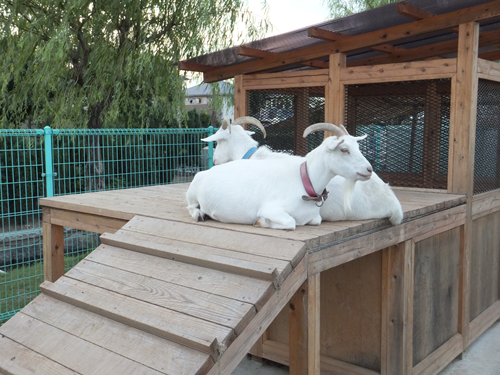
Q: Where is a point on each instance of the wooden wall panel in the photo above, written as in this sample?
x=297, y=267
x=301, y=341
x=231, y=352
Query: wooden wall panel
x=436, y=294
x=485, y=258
x=351, y=312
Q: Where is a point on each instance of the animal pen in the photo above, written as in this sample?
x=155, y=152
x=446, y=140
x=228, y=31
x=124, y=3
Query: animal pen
x=163, y=294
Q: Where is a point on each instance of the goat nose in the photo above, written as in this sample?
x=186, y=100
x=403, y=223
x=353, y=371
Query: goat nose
x=369, y=169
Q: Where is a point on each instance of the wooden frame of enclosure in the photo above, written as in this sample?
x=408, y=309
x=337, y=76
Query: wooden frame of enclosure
x=417, y=304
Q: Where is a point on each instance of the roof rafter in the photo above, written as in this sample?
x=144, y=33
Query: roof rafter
x=260, y=54
x=370, y=39
x=431, y=50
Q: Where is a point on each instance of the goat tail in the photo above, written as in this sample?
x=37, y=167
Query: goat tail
x=348, y=190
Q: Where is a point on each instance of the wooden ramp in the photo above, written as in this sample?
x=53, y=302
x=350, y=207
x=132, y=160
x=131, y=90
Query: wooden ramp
x=156, y=297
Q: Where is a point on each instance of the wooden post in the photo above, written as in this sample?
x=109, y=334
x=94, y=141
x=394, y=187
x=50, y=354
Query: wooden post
x=461, y=156
x=335, y=92
x=432, y=130
x=304, y=349
x=397, y=309
x=53, y=248
x=240, y=108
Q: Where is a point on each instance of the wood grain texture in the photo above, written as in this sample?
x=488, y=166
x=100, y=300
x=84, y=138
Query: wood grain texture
x=142, y=347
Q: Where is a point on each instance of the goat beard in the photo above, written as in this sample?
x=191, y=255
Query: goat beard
x=348, y=190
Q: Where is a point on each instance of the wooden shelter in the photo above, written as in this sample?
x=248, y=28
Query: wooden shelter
x=420, y=78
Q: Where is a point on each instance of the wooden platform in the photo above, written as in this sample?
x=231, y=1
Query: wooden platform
x=165, y=295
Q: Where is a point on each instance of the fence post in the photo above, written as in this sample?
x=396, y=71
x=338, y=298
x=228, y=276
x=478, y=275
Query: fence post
x=49, y=171
x=210, y=148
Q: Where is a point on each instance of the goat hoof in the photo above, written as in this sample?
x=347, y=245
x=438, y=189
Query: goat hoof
x=257, y=223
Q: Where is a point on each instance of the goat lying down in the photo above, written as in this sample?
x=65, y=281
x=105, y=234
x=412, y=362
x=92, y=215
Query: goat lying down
x=276, y=193
x=372, y=199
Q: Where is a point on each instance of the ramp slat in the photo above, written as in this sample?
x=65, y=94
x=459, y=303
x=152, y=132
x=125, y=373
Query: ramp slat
x=68, y=350
x=220, y=310
x=205, y=256
x=264, y=246
x=18, y=359
x=150, y=350
x=224, y=284
x=183, y=329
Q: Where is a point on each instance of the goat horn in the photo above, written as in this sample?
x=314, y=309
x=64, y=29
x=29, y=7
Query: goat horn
x=225, y=123
x=324, y=126
x=344, y=129
x=250, y=120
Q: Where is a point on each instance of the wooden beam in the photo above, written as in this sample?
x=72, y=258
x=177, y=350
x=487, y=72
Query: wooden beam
x=491, y=55
x=335, y=92
x=260, y=54
x=330, y=36
x=412, y=12
x=53, y=248
x=397, y=309
x=304, y=313
x=240, y=96
x=194, y=67
x=431, y=50
x=371, y=39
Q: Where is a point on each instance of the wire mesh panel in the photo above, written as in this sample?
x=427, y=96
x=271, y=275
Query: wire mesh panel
x=21, y=181
x=285, y=113
x=408, y=129
x=82, y=161
x=487, y=148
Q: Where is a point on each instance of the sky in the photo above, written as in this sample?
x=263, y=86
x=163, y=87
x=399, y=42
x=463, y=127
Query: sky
x=288, y=15
x=285, y=16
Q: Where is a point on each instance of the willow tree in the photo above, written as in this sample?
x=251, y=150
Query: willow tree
x=342, y=8
x=69, y=63
x=94, y=64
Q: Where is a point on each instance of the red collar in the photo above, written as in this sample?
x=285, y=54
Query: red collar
x=312, y=196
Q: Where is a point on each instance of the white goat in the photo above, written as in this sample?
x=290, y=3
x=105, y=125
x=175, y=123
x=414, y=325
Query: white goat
x=373, y=199
x=272, y=193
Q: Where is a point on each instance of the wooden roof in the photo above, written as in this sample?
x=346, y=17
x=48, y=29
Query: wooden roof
x=405, y=31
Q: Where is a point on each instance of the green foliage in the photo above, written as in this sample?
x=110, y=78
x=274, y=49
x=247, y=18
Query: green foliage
x=79, y=63
x=342, y=8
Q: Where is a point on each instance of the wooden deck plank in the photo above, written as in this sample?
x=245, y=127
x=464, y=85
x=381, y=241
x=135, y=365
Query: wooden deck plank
x=68, y=350
x=152, y=351
x=223, y=284
x=220, y=259
x=219, y=310
x=183, y=329
x=22, y=360
x=268, y=247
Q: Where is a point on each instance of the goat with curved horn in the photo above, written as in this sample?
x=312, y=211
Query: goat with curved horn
x=324, y=126
x=250, y=120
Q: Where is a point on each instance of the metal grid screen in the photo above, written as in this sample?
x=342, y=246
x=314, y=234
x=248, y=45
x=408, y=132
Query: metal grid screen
x=408, y=129
x=487, y=149
x=285, y=113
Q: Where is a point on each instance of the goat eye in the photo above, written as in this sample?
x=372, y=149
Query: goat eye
x=344, y=150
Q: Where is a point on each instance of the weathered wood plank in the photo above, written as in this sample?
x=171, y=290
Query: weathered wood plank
x=223, y=284
x=206, y=256
x=142, y=347
x=407, y=71
x=22, y=360
x=53, y=248
x=355, y=247
x=198, y=304
x=304, y=310
x=269, y=247
x=438, y=360
x=88, y=222
x=68, y=350
x=243, y=343
x=183, y=329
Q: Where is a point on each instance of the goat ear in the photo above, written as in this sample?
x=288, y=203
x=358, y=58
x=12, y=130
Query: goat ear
x=357, y=139
x=213, y=138
x=249, y=132
x=334, y=142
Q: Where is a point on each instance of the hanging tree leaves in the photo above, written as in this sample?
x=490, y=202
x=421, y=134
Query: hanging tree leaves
x=80, y=63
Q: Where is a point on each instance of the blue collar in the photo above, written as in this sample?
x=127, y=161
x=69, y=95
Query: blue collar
x=249, y=153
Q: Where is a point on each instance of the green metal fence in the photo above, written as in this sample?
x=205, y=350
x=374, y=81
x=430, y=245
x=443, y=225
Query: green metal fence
x=50, y=162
